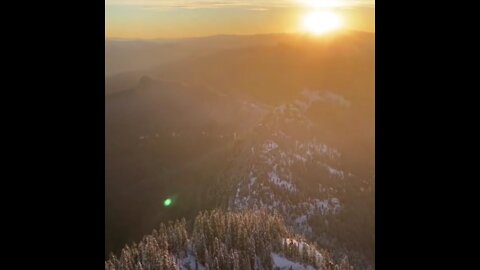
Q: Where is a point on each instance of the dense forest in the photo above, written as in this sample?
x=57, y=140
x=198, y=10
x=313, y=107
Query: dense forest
x=224, y=240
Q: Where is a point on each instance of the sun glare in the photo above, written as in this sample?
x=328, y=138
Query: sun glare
x=320, y=22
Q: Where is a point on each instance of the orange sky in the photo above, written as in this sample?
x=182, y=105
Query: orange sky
x=146, y=19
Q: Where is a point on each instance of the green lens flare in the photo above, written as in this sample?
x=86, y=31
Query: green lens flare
x=167, y=202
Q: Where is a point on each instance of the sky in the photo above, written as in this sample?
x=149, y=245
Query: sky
x=150, y=19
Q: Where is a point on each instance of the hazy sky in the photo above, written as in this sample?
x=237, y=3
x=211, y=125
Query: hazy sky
x=189, y=18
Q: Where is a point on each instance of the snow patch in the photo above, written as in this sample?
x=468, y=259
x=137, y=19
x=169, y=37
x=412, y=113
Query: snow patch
x=252, y=182
x=313, y=96
x=190, y=263
x=335, y=172
x=285, y=264
x=274, y=178
x=269, y=146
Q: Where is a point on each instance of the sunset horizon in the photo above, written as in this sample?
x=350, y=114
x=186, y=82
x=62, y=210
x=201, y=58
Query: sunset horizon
x=185, y=19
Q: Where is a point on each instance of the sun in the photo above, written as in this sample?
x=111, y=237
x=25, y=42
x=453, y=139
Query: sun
x=320, y=22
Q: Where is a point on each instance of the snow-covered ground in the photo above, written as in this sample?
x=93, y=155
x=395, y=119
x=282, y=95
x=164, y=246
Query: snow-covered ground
x=276, y=170
x=279, y=262
x=190, y=263
x=275, y=179
x=284, y=264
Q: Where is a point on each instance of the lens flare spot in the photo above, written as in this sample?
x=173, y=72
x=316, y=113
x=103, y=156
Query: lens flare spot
x=167, y=202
